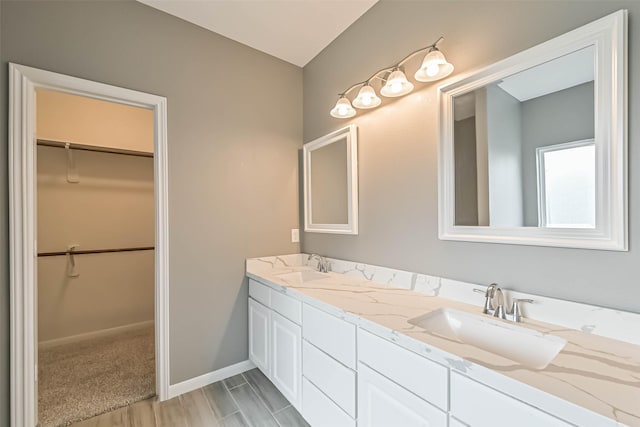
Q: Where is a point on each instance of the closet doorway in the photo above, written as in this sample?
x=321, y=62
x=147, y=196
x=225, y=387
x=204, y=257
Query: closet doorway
x=95, y=277
x=88, y=212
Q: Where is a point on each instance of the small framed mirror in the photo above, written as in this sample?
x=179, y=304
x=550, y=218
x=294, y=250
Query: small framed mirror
x=533, y=148
x=331, y=183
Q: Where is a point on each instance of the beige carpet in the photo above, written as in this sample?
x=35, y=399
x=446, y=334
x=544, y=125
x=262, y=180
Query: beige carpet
x=84, y=379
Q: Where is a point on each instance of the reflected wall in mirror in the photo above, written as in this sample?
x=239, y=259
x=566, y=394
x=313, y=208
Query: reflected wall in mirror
x=533, y=148
x=331, y=183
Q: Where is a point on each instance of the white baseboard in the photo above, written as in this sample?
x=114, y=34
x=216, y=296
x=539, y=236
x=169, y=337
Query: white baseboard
x=95, y=334
x=209, y=378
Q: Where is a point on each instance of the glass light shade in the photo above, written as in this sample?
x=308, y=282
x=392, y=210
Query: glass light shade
x=343, y=109
x=434, y=67
x=397, y=85
x=366, y=98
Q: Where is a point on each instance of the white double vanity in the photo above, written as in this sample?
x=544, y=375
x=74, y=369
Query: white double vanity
x=346, y=348
x=375, y=347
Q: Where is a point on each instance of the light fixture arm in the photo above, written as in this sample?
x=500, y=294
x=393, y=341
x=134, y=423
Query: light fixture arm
x=391, y=68
x=375, y=75
x=352, y=87
x=416, y=52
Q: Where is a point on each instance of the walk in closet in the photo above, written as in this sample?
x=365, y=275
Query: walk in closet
x=95, y=293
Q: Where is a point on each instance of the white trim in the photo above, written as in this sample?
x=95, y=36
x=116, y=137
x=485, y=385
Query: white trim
x=608, y=36
x=23, y=82
x=95, y=334
x=209, y=378
x=350, y=134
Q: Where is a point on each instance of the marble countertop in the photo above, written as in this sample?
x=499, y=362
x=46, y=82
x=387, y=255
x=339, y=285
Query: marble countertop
x=593, y=372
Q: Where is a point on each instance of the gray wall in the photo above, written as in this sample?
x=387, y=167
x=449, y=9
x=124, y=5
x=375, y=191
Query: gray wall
x=233, y=174
x=559, y=117
x=4, y=245
x=398, y=147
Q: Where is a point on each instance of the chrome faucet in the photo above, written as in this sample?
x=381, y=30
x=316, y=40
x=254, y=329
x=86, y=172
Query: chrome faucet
x=494, y=304
x=488, y=298
x=323, y=263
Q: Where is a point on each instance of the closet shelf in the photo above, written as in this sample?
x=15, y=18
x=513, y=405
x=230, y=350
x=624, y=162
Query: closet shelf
x=83, y=147
x=96, y=251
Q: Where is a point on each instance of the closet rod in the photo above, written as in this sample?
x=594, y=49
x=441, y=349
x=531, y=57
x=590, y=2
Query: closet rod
x=82, y=147
x=97, y=251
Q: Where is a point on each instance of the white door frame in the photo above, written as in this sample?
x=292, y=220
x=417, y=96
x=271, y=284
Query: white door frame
x=23, y=82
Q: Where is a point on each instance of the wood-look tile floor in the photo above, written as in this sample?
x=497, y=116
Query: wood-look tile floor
x=244, y=400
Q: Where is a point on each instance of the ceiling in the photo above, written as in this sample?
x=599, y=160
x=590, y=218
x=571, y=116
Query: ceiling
x=553, y=76
x=292, y=30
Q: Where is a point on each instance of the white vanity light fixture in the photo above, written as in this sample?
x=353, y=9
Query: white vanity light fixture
x=343, y=109
x=366, y=98
x=434, y=67
x=393, y=82
x=397, y=85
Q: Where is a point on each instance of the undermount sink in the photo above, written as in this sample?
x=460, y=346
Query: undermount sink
x=302, y=276
x=525, y=346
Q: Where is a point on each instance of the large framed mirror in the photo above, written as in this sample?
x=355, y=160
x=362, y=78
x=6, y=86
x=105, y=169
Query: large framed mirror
x=532, y=149
x=331, y=183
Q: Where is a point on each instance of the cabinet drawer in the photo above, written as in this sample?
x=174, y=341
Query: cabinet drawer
x=333, y=378
x=476, y=404
x=287, y=306
x=383, y=403
x=334, y=336
x=259, y=292
x=417, y=374
x=320, y=411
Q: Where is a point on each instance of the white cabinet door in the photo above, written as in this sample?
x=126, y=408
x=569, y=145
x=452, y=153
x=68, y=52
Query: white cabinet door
x=259, y=316
x=383, y=403
x=286, y=366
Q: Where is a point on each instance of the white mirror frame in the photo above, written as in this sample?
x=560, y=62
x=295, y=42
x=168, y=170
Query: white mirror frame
x=351, y=227
x=608, y=36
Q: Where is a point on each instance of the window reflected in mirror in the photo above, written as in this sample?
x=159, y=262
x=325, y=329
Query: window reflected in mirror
x=567, y=185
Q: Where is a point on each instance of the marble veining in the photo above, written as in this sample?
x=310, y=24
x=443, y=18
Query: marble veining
x=592, y=371
x=610, y=323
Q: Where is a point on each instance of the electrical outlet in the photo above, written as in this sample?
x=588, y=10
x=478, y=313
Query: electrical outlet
x=295, y=235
